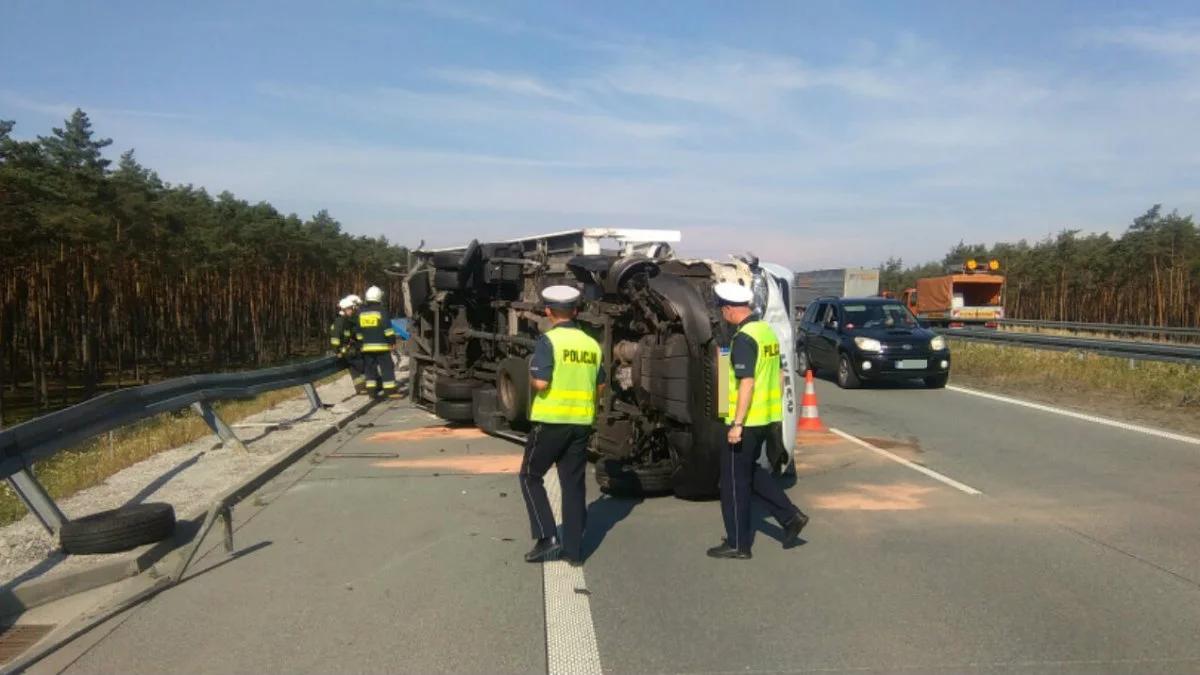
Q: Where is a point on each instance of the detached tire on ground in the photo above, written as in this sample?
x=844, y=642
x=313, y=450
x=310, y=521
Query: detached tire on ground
x=625, y=480
x=455, y=411
x=119, y=529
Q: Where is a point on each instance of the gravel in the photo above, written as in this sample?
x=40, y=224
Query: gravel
x=187, y=477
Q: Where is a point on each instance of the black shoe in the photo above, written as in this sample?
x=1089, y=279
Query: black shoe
x=791, y=531
x=543, y=550
x=725, y=551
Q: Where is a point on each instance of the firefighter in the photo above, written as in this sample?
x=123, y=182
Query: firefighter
x=755, y=412
x=345, y=346
x=567, y=375
x=376, y=339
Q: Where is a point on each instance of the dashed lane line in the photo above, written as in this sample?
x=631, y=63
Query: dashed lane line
x=570, y=634
x=1150, y=431
x=963, y=487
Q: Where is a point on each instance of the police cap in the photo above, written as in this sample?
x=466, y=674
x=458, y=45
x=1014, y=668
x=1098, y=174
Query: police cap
x=560, y=297
x=732, y=294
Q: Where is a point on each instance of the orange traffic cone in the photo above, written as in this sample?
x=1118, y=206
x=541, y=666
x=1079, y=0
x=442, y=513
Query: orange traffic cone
x=810, y=419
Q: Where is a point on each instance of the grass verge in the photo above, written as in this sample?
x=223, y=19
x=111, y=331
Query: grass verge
x=1164, y=394
x=90, y=464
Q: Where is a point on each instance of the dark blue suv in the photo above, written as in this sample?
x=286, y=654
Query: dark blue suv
x=863, y=339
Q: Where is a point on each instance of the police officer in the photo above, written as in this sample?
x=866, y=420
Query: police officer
x=566, y=376
x=376, y=338
x=755, y=412
x=345, y=346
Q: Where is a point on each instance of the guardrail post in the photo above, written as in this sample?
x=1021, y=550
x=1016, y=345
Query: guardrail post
x=314, y=398
x=37, y=501
x=214, y=422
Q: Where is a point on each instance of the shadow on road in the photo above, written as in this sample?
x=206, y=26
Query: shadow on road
x=602, y=516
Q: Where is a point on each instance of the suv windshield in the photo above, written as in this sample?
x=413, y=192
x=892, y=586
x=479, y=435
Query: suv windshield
x=886, y=315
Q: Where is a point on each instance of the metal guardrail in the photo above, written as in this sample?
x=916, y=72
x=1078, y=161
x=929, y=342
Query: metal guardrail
x=1143, y=351
x=1131, y=329
x=42, y=437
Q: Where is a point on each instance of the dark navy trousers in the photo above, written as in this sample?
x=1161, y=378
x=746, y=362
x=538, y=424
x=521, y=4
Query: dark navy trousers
x=742, y=477
x=564, y=446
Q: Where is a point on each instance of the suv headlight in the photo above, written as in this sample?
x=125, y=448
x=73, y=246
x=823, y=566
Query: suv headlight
x=938, y=343
x=868, y=344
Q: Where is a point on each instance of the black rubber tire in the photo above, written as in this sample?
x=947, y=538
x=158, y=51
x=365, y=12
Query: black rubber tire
x=447, y=260
x=846, y=377
x=937, y=381
x=454, y=389
x=485, y=409
x=512, y=387
x=118, y=529
x=625, y=480
x=803, y=363
x=447, y=280
x=455, y=411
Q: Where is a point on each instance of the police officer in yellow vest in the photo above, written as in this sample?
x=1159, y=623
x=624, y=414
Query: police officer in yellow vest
x=566, y=376
x=755, y=412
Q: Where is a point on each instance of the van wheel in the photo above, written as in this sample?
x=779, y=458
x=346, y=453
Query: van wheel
x=455, y=411
x=802, y=362
x=846, y=377
x=512, y=389
x=621, y=479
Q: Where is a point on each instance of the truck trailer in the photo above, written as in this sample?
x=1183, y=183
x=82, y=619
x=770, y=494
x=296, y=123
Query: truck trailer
x=843, y=282
x=475, y=313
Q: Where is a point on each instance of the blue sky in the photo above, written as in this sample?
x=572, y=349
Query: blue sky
x=818, y=133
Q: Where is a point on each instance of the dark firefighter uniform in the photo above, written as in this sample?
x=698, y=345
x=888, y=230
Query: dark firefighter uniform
x=345, y=346
x=754, y=354
x=376, y=337
x=563, y=415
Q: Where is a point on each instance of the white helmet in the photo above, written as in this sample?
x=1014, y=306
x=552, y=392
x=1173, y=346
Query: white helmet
x=354, y=299
x=374, y=294
x=346, y=302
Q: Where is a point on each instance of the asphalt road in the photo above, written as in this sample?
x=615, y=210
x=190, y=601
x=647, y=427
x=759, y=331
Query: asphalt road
x=1081, y=555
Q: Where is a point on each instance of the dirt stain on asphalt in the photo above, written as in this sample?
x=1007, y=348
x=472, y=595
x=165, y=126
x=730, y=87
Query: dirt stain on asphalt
x=472, y=464
x=428, y=433
x=909, y=449
x=870, y=497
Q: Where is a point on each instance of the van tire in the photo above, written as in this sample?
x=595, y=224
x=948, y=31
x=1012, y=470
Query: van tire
x=512, y=388
x=454, y=389
x=846, y=377
x=627, y=480
x=455, y=411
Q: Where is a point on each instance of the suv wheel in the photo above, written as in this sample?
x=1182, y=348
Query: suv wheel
x=802, y=362
x=846, y=377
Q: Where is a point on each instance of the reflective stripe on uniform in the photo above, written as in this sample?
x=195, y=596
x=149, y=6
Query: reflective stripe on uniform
x=376, y=347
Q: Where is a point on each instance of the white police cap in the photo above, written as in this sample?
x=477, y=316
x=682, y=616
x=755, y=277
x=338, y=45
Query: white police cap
x=733, y=294
x=560, y=297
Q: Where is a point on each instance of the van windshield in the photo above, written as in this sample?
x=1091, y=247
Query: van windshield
x=886, y=315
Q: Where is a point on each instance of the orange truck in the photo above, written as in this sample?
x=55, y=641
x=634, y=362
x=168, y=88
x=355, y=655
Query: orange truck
x=972, y=296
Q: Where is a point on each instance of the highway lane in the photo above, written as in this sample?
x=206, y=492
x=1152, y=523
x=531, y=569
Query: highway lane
x=372, y=563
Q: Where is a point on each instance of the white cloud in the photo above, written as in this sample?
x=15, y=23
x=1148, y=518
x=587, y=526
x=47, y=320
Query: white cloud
x=503, y=82
x=1181, y=39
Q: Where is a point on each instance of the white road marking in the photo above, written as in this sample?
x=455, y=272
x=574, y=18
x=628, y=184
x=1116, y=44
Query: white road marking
x=1150, y=431
x=570, y=635
x=912, y=465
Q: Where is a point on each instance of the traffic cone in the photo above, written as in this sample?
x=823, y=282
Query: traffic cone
x=810, y=419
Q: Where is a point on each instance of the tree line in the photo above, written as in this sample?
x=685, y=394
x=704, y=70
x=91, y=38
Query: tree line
x=110, y=276
x=1149, y=275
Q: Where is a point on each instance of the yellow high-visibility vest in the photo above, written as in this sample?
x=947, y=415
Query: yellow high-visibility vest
x=766, y=403
x=571, y=396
